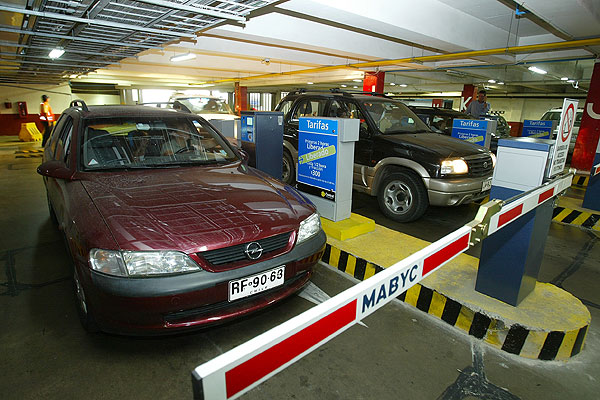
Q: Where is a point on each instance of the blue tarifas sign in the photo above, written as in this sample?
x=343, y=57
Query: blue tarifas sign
x=537, y=129
x=470, y=130
x=248, y=128
x=317, y=160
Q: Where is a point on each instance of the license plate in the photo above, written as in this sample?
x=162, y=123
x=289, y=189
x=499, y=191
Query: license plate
x=250, y=285
x=487, y=185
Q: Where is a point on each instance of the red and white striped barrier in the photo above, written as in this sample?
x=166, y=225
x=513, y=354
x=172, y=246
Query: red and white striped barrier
x=528, y=202
x=235, y=372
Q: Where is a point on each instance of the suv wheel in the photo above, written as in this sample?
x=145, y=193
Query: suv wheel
x=402, y=197
x=289, y=170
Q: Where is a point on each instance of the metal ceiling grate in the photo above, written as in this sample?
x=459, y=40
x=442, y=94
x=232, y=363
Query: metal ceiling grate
x=97, y=33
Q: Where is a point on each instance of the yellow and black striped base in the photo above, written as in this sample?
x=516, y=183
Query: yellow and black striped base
x=580, y=180
x=515, y=339
x=29, y=153
x=578, y=218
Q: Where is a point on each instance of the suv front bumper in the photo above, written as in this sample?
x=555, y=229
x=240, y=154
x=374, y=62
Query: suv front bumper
x=455, y=191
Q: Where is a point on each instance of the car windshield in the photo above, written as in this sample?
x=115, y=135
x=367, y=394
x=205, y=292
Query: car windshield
x=394, y=117
x=555, y=116
x=149, y=142
x=205, y=105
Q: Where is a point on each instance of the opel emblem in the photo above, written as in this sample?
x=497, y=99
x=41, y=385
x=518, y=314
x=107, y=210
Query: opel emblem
x=485, y=164
x=253, y=251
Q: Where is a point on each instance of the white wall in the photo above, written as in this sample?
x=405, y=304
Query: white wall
x=60, y=97
x=517, y=110
x=98, y=99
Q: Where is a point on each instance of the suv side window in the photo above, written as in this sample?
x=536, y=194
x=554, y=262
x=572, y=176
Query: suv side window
x=309, y=108
x=63, y=144
x=354, y=112
x=285, y=107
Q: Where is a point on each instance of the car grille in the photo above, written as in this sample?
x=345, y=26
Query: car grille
x=480, y=166
x=237, y=253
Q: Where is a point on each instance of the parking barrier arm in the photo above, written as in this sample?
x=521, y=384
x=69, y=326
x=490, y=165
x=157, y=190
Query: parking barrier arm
x=235, y=372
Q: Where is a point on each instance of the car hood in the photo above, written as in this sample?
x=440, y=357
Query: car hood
x=433, y=143
x=194, y=209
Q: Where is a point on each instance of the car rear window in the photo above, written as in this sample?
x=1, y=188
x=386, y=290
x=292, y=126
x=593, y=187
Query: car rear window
x=147, y=142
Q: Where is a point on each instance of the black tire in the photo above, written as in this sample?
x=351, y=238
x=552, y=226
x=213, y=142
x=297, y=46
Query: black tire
x=289, y=168
x=402, y=196
x=51, y=212
x=86, y=316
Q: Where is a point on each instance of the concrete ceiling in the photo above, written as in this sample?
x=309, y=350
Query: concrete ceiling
x=429, y=45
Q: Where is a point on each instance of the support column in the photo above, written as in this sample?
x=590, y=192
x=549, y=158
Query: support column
x=374, y=82
x=241, y=98
x=469, y=93
x=589, y=131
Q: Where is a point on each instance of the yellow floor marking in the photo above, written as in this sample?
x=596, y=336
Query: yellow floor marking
x=350, y=265
x=437, y=305
x=369, y=271
x=412, y=295
x=562, y=215
x=564, y=352
x=334, y=257
x=581, y=219
x=465, y=319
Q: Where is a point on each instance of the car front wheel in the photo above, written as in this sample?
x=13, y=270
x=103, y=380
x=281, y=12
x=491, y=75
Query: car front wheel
x=85, y=315
x=289, y=170
x=402, y=197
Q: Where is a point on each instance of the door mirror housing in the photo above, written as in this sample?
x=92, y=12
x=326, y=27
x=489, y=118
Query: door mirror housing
x=55, y=169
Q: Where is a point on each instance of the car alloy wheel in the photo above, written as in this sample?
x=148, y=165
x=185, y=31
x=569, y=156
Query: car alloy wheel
x=288, y=173
x=398, y=197
x=80, y=295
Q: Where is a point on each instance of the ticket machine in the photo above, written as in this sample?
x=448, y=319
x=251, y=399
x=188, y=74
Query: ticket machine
x=262, y=139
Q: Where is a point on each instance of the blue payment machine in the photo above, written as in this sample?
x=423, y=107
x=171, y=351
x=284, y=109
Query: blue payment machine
x=326, y=164
x=474, y=131
x=592, y=193
x=262, y=139
x=510, y=258
x=538, y=129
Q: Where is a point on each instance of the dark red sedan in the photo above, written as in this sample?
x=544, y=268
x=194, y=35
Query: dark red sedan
x=167, y=226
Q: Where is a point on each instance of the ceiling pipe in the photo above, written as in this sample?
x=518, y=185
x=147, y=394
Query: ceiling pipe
x=536, y=48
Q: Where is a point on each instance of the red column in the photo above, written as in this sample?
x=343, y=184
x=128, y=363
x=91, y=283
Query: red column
x=374, y=82
x=241, y=98
x=469, y=93
x=589, y=131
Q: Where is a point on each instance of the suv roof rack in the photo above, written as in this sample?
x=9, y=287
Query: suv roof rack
x=79, y=103
x=337, y=90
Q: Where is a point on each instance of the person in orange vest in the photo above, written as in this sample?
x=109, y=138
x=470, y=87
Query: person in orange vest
x=47, y=118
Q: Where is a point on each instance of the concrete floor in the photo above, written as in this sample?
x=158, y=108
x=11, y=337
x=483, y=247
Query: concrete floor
x=402, y=354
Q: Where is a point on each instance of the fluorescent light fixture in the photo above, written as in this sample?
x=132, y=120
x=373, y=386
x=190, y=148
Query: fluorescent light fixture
x=355, y=87
x=500, y=83
x=392, y=84
x=309, y=83
x=571, y=80
x=537, y=70
x=403, y=85
x=183, y=57
x=356, y=80
x=344, y=85
x=55, y=53
x=491, y=81
x=564, y=78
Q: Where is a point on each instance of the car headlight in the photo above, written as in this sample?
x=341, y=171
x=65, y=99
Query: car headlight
x=454, y=166
x=493, y=160
x=141, y=263
x=309, y=227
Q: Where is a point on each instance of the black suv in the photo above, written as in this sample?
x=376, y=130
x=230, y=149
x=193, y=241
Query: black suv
x=397, y=157
x=441, y=120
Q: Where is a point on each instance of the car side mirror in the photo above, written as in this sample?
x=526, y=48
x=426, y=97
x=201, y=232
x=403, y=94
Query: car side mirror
x=55, y=169
x=245, y=156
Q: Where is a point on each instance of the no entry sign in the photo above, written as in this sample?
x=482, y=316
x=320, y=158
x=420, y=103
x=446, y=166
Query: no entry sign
x=565, y=131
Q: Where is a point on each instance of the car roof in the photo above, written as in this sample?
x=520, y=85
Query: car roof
x=125, y=110
x=361, y=96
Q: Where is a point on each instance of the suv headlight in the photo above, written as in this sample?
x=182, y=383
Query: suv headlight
x=454, y=166
x=141, y=263
x=493, y=160
x=309, y=228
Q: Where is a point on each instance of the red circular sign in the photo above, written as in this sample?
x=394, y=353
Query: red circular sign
x=567, y=123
